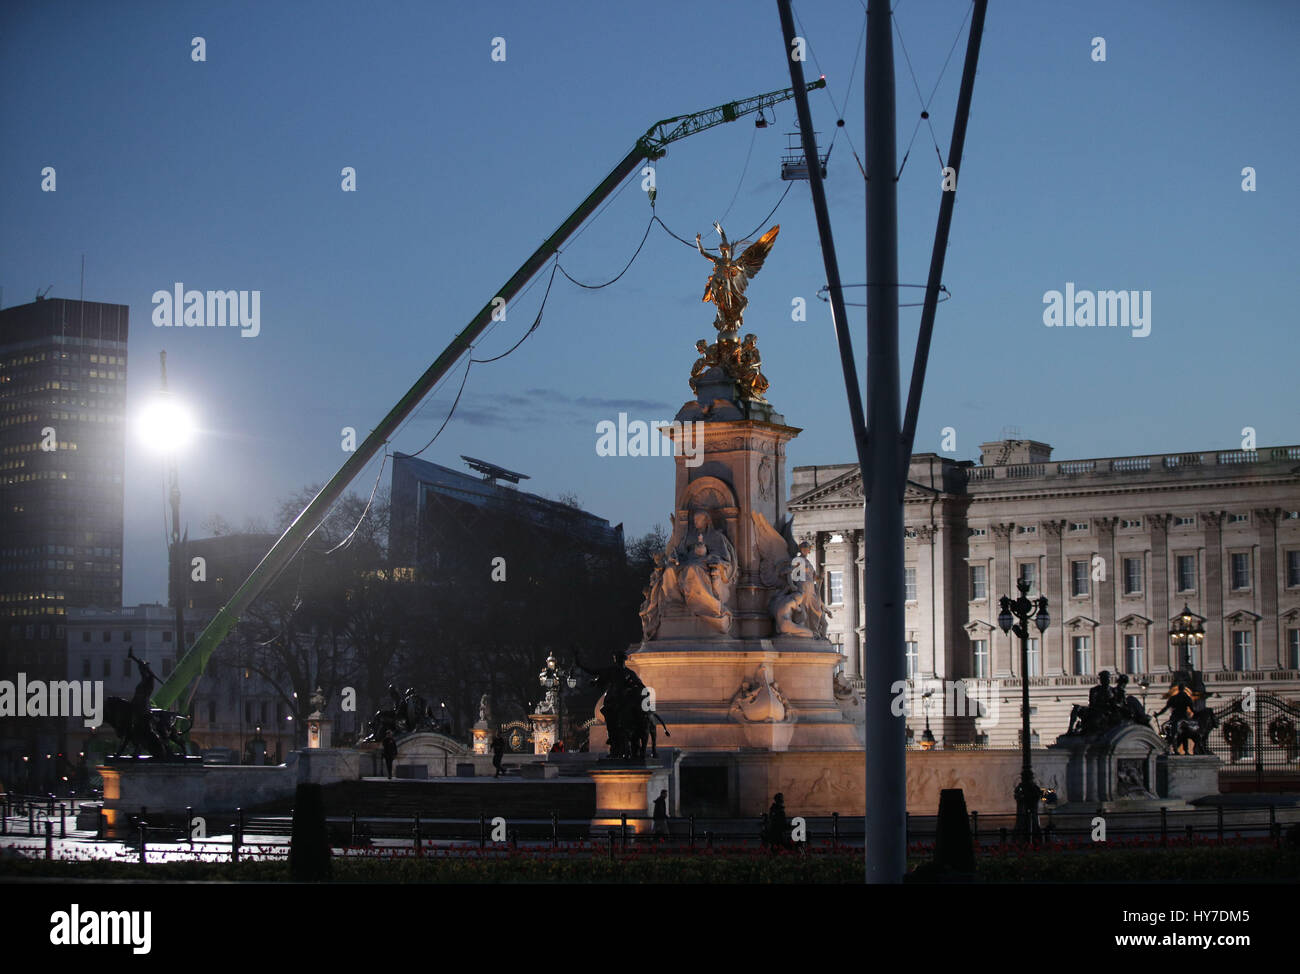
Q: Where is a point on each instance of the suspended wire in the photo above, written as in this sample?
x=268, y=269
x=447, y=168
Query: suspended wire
x=361, y=520
x=839, y=115
x=597, y=287
x=743, y=172
x=691, y=244
x=451, y=412
x=926, y=102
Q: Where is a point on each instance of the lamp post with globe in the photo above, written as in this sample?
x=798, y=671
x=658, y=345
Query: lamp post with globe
x=1014, y=617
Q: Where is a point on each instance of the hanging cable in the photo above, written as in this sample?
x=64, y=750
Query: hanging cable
x=744, y=170
x=361, y=520
x=597, y=287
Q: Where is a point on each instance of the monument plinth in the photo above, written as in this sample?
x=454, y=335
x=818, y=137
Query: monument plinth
x=734, y=651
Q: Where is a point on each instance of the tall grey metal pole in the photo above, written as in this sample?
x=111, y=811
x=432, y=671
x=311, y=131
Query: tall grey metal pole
x=886, y=770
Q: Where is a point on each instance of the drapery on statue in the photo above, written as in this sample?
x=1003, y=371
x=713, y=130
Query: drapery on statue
x=698, y=572
x=796, y=605
x=731, y=276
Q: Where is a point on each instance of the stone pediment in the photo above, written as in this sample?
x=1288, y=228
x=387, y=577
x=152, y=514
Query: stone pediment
x=1081, y=622
x=978, y=628
x=1133, y=621
x=1243, y=616
x=847, y=489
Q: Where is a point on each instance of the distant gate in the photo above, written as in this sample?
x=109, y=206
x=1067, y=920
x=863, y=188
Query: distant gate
x=1259, y=745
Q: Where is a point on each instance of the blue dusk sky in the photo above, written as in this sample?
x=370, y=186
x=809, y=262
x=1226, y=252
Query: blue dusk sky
x=1117, y=174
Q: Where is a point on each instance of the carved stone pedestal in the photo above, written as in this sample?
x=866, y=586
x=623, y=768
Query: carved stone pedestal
x=625, y=788
x=544, y=728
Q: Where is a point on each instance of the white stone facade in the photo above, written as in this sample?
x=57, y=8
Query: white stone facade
x=1118, y=546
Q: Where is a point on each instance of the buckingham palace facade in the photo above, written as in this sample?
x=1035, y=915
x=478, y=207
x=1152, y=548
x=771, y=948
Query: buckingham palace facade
x=1118, y=545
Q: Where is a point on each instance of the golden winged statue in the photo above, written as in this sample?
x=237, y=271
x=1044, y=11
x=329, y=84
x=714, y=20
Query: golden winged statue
x=731, y=276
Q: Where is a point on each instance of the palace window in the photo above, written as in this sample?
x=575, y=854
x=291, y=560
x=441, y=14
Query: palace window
x=1293, y=649
x=1293, y=568
x=107, y=668
x=913, y=660
x=1082, y=655
x=1028, y=572
x=85, y=668
x=1130, y=523
x=1238, y=518
x=1185, y=521
x=1135, y=656
x=979, y=581
x=909, y=584
x=1187, y=573
x=835, y=582
x=1132, y=576
x=980, y=649
x=1035, y=659
x=1077, y=527
x=1240, y=571
x=1243, y=657
x=1078, y=578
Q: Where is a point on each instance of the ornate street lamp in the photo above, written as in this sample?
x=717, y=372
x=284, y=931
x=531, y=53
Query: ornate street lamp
x=1014, y=617
x=557, y=678
x=927, y=735
x=1187, y=633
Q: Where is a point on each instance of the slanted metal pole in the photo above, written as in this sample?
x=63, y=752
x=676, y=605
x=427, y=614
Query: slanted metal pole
x=940, y=250
x=886, y=771
x=838, y=316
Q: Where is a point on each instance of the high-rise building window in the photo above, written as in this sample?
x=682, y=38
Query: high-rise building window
x=909, y=584
x=1243, y=656
x=980, y=651
x=1187, y=573
x=913, y=660
x=979, y=581
x=1082, y=655
x=1132, y=576
x=1135, y=657
x=1240, y=571
x=835, y=583
x=1079, y=578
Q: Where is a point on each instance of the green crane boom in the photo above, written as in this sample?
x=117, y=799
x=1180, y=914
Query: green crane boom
x=652, y=145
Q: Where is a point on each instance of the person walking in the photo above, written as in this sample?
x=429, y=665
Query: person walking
x=390, y=751
x=661, y=816
x=498, y=750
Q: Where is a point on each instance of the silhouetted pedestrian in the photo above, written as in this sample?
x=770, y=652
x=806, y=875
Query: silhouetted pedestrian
x=498, y=750
x=661, y=815
x=390, y=751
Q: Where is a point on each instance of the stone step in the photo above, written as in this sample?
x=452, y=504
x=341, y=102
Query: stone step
x=455, y=798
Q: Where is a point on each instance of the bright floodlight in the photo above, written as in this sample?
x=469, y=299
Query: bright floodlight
x=166, y=425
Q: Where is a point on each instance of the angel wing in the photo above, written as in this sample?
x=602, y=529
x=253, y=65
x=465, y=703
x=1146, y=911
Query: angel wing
x=751, y=261
x=774, y=551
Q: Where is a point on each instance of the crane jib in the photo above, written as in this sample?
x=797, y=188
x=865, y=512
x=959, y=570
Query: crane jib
x=650, y=146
